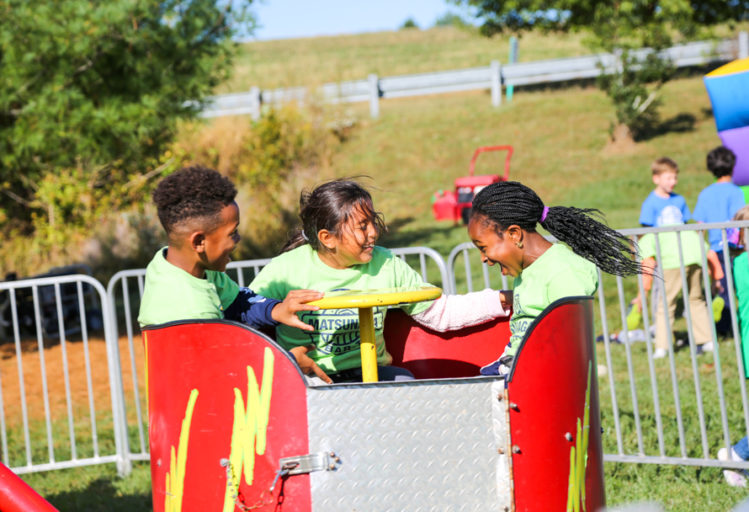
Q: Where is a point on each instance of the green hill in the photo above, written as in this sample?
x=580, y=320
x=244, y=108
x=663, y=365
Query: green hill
x=294, y=62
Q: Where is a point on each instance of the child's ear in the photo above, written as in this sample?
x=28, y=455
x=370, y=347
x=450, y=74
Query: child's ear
x=327, y=239
x=197, y=241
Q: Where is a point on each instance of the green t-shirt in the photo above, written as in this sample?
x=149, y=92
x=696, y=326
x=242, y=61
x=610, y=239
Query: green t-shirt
x=690, y=246
x=172, y=294
x=336, y=335
x=558, y=273
x=741, y=280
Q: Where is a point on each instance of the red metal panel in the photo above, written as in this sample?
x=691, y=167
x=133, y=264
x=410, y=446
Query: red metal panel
x=553, y=373
x=429, y=354
x=208, y=386
x=17, y=496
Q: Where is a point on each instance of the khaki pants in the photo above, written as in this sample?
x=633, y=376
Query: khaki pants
x=697, y=306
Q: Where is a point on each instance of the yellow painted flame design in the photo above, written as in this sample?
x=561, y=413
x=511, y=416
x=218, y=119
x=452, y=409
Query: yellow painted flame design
x=175, y=477
x=579, y=457
x=249, y=431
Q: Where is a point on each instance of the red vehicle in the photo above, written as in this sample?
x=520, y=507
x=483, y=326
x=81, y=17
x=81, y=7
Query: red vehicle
x=234, y=426
x=456, y=205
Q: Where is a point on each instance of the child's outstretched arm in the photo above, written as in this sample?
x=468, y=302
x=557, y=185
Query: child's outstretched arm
x=716, y=270
x=648, y=265
x=451, y=312
x=295, y=301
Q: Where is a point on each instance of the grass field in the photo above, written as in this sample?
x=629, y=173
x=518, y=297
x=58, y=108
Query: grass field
x=294, y=62
x=420, y=145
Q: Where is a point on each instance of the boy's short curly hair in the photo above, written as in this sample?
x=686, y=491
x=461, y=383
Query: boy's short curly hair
x=194, y=192
x=720, y=161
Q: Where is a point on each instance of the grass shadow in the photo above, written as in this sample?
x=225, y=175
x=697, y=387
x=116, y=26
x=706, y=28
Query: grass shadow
x=680, y=123
x=101, y=496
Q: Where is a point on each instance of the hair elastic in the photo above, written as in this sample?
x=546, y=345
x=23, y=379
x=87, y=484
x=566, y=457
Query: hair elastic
x=304, y=236
x=543, y=215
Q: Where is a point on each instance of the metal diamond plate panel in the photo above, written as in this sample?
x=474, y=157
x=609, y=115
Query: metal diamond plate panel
x=417, y=446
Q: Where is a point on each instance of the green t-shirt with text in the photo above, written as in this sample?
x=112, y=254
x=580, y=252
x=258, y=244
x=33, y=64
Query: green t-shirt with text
x=557, y=273
x=171, y=293
x=336, y=335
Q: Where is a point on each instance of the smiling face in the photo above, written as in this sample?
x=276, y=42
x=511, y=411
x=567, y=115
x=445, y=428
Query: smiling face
x=218, y=243
x=497, y=247
x=354, y=242
x=665, y=182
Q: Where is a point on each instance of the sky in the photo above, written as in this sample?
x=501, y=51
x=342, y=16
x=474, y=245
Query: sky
x=279, y=19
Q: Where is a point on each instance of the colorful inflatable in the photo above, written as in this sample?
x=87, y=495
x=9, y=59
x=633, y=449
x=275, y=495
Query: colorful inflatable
x=728, y=88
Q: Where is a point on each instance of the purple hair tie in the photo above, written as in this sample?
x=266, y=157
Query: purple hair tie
x=543, y=215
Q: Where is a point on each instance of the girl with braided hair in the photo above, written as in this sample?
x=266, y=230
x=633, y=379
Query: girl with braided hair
x=502, y=226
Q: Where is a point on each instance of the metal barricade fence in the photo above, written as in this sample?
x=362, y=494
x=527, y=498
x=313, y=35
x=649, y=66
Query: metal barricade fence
x=677, y=410
x=125, y=290
x=57, y=327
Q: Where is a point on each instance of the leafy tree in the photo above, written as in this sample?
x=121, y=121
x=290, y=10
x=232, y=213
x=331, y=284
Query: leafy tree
x=90, y=94
x=618, y=27
x=451, y=19
x=409, y=23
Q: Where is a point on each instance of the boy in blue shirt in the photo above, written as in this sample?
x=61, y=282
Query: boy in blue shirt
x=719, y=202
x=665, y=176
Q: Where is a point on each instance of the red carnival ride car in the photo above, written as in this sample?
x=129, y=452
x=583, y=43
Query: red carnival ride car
x=234, y=425
x=456, y=205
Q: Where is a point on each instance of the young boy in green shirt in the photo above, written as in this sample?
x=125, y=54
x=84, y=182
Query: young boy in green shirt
x=692, y=258
x=186, y=279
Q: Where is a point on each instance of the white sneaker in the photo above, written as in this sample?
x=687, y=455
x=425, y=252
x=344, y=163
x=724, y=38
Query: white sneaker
x=733, y=478
x=659, y=353
x=708, y=347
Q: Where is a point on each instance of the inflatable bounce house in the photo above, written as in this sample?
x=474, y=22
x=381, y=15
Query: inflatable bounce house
x=728, y=88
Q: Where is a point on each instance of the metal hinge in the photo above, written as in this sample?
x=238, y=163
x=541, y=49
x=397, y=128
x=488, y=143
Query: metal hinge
x=300, y=464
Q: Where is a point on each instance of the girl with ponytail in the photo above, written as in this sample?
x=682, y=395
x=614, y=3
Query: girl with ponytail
x=502, y=226
x=335, y=249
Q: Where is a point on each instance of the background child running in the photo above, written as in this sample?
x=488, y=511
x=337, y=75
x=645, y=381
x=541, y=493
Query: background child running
x=691, y=254
x=186, y=279
x=719, y=202
x=503, y=227
x=665, y=176
x=334, y=250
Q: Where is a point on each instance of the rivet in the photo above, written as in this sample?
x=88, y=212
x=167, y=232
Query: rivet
x=513, y=406
x=332, y=454
x=568, y=436
x=331, y=466
x=515, y=448
x=501, y=451
x=500, y=397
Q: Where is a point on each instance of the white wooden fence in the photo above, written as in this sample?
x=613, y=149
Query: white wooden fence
x=492, y=77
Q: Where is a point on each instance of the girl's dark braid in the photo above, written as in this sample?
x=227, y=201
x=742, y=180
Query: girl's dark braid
x=509, y=202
